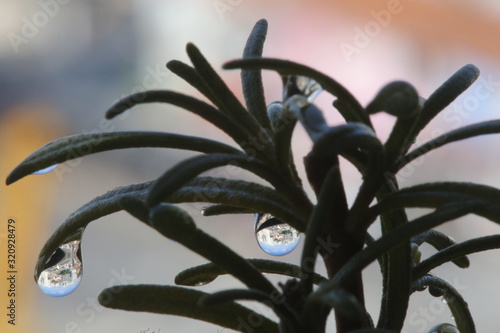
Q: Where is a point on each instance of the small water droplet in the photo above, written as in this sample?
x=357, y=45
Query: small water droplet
x=444, y=300
x=46, y=170
x=202, y=283
x=62, y=273
x=274, y=236
x=203, y=211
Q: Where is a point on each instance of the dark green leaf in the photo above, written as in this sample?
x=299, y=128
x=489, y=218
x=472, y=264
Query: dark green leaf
x=397, y=98
x=185, y=171
x=396, y=273
x=251, y=80
x=455, y=301
x=456, y=251
x=440, y=241
x=136, y=208
x=466, y=132
x=190, y=75
x=183, y=302
x=345, y=304
x=308, y=114
x=208, y=272
x=200, y=108
x=331, y=188
x=221, y=209
x=226, y=101
x=435, y=194
x=276, y=302
x=176, y=224
x=236, y=294
x=103, y=205
x=444, y=95
x=395, y=237
x=284, y=67
x=346, y=138
x=283, y=123
x=247, y=195
x=76, y=146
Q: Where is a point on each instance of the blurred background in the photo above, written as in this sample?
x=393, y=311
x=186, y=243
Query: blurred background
x=63, y=63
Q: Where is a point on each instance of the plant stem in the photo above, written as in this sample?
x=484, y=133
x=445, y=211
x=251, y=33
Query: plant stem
x=340, y=247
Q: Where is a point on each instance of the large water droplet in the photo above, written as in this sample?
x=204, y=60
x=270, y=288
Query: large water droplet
x=46, y=170
x=62, y=273
x=274, y=236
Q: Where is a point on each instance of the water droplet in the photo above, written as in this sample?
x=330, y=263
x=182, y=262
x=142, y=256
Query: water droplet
x=303, y=85
x=202, y=283
x=444, y=328
x=274, y=236
x=444, y=300
x=46, y=170
x=203, y=211
x=62, y=273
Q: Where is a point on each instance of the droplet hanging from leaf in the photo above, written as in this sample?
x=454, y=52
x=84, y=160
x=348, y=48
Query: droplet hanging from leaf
x=274, y=236
x=62, y=272
x=45, y=170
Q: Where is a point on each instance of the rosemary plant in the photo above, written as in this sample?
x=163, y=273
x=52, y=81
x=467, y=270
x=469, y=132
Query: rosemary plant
x=334, y=231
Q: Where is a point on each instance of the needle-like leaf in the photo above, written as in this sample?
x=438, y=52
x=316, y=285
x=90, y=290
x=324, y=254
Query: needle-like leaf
x=251, y=79
x=176, y=224
x=227, y=102
x=76, y=146
x=188, y=103
x=183, y=302
x=466, y=132
x=208, y=272
x=440, y=241
x=187, y=170
x=456, y=251
x=456, y=303
x=284, y=67
x=103, y=205
x=444, y=95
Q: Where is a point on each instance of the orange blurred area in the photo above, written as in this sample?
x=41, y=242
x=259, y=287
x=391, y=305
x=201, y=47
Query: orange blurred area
x=63, y=63
x=26, y=208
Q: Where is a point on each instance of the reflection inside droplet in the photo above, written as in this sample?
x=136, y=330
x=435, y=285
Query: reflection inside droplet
x=303, y=85
x=46, y=170
x=62, y=273
x=274, y=236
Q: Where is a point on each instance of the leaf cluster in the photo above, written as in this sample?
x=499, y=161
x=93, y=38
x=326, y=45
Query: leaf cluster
x=262, y=135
